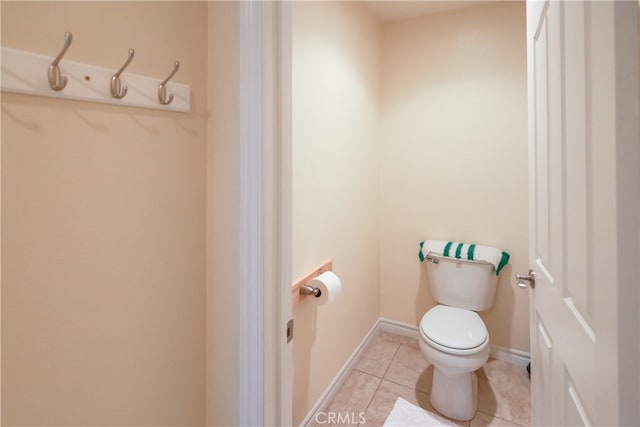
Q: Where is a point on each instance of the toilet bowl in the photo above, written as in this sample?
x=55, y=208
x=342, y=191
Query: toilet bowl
x=456, y=342
x=453, y=337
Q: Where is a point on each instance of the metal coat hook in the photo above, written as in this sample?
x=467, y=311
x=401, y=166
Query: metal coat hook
x=56, y=80
x=117, y=90
x=162, y=90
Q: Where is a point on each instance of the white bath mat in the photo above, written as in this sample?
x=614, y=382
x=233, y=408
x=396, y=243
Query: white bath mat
x=405, y=414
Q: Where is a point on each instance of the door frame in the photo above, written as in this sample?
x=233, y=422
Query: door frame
x=265, y=357
x=266, y=361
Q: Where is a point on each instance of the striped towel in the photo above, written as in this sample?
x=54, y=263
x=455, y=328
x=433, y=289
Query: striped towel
x=467, y=251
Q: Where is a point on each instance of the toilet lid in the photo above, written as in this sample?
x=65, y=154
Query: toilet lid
x=455, y=328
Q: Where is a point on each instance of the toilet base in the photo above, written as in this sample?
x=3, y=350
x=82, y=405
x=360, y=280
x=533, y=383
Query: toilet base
x=455, y=396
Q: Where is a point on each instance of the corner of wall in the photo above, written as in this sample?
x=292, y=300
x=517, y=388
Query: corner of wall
x=223, y=212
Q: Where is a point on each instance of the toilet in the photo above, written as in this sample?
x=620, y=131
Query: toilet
x=452, y=336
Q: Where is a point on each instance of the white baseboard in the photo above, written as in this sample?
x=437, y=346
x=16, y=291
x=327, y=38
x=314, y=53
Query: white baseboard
x=400, y=328
x=510, y=355
x=334, y=386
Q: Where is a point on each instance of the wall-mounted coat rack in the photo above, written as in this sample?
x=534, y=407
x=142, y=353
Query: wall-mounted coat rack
x=32, y=74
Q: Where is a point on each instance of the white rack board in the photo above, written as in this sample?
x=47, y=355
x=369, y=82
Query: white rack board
x=26, y=73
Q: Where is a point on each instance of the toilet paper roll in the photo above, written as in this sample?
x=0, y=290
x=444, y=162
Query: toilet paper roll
x=330, y=286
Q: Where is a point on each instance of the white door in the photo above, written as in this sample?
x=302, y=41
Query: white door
x=583, y=139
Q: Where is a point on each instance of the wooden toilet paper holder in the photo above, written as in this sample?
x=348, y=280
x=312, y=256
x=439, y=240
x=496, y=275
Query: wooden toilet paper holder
x=300, y=289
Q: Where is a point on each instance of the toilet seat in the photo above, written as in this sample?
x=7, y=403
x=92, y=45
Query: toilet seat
x=454, y=330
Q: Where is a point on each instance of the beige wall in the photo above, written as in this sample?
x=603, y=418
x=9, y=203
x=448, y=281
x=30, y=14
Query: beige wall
x=335, y=194
x=104, y=207
x=223, y=228
x=453, y=156
x=103, y=218
x=401, y=132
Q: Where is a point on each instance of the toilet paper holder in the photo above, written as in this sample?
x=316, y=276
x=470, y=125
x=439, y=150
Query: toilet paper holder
x=309, y=290
x=301, y=289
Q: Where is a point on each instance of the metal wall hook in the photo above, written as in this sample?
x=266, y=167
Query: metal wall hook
x=56, y=80
x=118, y=91
x=162, y=90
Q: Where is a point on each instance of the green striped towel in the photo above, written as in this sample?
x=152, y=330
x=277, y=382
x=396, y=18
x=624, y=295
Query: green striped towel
x=468, y=251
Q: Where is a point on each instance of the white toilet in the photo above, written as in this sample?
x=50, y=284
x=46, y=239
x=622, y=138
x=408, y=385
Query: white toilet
x=452, y=335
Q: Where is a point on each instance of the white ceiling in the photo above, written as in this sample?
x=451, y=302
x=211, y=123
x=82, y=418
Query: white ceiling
x=392, y=10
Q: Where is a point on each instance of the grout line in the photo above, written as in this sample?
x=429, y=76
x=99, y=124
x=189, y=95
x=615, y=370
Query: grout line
x=367, y=374
x=372, y=396
x=385, y=372
x=392, y=359
x=500, y=418
x=363, y=372
x=410, y=388
x=381, y=379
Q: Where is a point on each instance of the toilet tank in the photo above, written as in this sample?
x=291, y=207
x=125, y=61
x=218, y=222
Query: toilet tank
x=461, y=283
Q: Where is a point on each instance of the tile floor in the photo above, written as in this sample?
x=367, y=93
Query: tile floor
x=393, y=366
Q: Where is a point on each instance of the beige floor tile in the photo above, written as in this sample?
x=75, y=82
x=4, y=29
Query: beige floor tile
x=484, y=420
x=324, y=422
x=410, y=368
x=402, y=339
x=354, y=395
x=504, y=391
x=503, y=388
x=386, y=396
x=377, y=357
x=391, y=337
